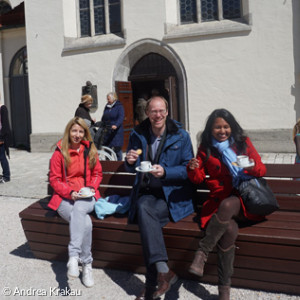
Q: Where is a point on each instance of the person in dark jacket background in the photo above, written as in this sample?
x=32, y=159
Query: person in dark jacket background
x=113, y=115
x=83, y=112
x=4, y=143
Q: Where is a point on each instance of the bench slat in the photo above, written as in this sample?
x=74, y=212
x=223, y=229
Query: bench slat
x=284, y=186
x=283, y=170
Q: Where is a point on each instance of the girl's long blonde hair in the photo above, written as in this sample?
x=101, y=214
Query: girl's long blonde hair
x=65, y=143
x=296, y=129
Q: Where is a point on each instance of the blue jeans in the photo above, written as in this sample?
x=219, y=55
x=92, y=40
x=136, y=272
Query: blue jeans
x=4, y=163
x=153, y=214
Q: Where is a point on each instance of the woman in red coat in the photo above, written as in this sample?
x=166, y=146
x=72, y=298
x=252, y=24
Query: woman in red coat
x=221, y=141
x=75, y=165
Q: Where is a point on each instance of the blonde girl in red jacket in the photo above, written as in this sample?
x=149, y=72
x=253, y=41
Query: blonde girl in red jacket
x=221, y=141
x=74, y=165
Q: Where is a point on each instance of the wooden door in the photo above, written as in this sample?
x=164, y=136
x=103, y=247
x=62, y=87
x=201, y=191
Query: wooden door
x=19, y=100
x=124, y=91
x=170, y=86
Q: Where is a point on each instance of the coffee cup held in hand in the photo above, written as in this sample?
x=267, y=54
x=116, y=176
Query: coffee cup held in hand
x=146, y=165
x=85, y=192
x=243, y=160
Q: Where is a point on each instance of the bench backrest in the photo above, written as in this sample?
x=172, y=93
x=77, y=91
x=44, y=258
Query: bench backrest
x=281, y=178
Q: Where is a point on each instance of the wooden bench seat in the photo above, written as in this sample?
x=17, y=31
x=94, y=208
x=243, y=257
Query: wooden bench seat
x=267, y=255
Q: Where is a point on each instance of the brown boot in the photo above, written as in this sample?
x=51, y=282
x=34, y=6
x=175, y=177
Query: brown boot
x=225, y=271
x=214, y=231
x=224, y=292
x=198, y=263
x=165, y=281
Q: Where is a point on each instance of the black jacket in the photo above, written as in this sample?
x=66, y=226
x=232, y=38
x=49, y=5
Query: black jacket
x=5, y=133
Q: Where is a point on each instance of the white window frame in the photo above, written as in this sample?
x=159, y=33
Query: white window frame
x=78, y=44
x=175, y=30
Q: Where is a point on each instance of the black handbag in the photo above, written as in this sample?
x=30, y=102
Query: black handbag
x=257, y=196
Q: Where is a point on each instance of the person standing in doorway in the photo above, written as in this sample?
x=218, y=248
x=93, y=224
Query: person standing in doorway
x=140, y=108
x=4, y=143
x=163, y=194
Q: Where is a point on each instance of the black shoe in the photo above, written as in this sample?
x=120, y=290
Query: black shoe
x=3, y=180
x=146, y=293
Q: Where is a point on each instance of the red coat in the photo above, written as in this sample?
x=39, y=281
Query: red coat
x=220, y=180
x=64, y=184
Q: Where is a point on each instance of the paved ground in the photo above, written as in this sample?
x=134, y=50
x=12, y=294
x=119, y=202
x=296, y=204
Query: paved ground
x=23, y=276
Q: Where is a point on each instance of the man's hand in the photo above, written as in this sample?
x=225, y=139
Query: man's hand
x=132, y=156
x=158, y=171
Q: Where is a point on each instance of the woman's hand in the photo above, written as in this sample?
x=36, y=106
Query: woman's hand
x=132, y=156
x=158, y=171
x=114, y=127
x=74, y=196
x=251, y=160
x=193, y=164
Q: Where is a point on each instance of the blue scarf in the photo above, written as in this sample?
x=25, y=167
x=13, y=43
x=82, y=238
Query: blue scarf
x=228, y=157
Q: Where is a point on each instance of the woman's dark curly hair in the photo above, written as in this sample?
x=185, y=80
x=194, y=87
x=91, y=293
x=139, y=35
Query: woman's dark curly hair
x=236, y=130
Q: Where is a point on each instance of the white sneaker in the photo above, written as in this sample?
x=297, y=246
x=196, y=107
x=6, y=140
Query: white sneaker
x=73, y=270
x=87, y=275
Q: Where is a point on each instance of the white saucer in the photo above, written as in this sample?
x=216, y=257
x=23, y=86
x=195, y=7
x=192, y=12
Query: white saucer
x=251, y=164
x=87, y=196
x=144, y=171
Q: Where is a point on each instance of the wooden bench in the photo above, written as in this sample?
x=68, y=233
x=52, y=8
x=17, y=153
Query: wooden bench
x=267, y=256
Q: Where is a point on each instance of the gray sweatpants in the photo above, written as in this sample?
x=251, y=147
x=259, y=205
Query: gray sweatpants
x=80, y=226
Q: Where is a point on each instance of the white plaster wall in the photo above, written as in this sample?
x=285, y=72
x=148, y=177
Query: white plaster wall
x=250, y=74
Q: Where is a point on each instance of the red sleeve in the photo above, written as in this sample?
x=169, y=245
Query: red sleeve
x=197, y=175
x=57, y=177
x=259, y=169
x=96, y=175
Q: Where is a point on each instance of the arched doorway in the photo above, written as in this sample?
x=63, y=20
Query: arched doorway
x=155, y=72
x=148, y=64
x=19, y=100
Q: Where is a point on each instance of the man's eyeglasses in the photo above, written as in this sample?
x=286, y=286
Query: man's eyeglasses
x=156, y=112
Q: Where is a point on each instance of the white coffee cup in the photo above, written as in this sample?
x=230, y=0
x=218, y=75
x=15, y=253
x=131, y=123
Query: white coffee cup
x=85, y=191
x=243, y=160
x=146, y=165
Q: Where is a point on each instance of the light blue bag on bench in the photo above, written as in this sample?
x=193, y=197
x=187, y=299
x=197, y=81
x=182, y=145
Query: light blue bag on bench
x=111, y=204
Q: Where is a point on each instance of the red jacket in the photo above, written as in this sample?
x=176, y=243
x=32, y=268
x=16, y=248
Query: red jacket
x=220, y=180
x=62, y=184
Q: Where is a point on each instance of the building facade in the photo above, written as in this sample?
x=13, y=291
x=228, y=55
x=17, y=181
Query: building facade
x=242, y=55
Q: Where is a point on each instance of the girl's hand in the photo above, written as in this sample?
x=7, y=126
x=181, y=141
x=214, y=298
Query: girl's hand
x=74, y=196
x=193, y=164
